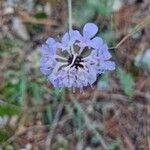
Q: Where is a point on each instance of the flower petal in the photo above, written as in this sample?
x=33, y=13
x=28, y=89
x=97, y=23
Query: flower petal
x=96, y=43
x=78, y=74
x=65, y=38
x=50, y=41
x=106, y=65
x=49, y=48
x=89, y=30
x=75, y=35
x=104, y=53
x=92, y=77
x=68, y=39
x=46, y=71
x=62, y=46
x=44, y=50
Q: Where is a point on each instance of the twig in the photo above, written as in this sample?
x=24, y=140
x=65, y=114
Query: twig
x=138, y=27
x=17, y=134
x=54, y=125
x=118, y=96
x=33, y=128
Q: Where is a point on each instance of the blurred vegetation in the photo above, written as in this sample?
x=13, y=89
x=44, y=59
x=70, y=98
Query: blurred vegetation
x=126, y=81
x=26, y=95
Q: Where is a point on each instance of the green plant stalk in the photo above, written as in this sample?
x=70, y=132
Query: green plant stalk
x=70, y=20
x=70, y=14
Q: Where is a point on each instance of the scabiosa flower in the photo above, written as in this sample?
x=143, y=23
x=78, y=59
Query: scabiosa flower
x=77, y=60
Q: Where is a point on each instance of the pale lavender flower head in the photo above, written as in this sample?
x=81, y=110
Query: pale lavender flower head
x=77, y=60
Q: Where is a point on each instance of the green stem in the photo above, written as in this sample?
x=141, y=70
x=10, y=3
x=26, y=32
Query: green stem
x=70, y=14
x=70, y=21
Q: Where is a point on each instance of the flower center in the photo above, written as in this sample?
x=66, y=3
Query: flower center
x=77, y=61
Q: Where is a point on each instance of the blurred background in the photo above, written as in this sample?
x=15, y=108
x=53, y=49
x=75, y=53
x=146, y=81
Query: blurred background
x=114, y=115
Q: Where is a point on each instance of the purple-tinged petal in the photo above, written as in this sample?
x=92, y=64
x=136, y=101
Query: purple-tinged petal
x=106, y=65
x=92, y=77
x=50, y=41
x=65, y=38
x=48, y=53
x=45, y=50
x=59, y=45
x=49, y=48
x=96, y=43
x=62, y=46
x=44, y=60
x=46, y=71
x=68, y=39
x=56, y=83
x=89, y=30
x=75, y=35
x=52, y=77
x=104, y=53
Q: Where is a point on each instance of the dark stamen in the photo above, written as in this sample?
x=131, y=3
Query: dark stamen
x=70, y=59
x=77, y=62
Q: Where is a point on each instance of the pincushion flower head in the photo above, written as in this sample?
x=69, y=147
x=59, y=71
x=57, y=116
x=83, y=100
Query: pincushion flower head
x=76, y=60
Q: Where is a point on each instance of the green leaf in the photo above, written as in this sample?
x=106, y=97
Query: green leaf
x=35, y=90
x=103, y=7
x=49, y=113
x=7, y=109
x=126, y=81
x=41, y=15
x=9, y=43
x=3, y=136
x=22, y=88
x=57, y=93
x=115, y=145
